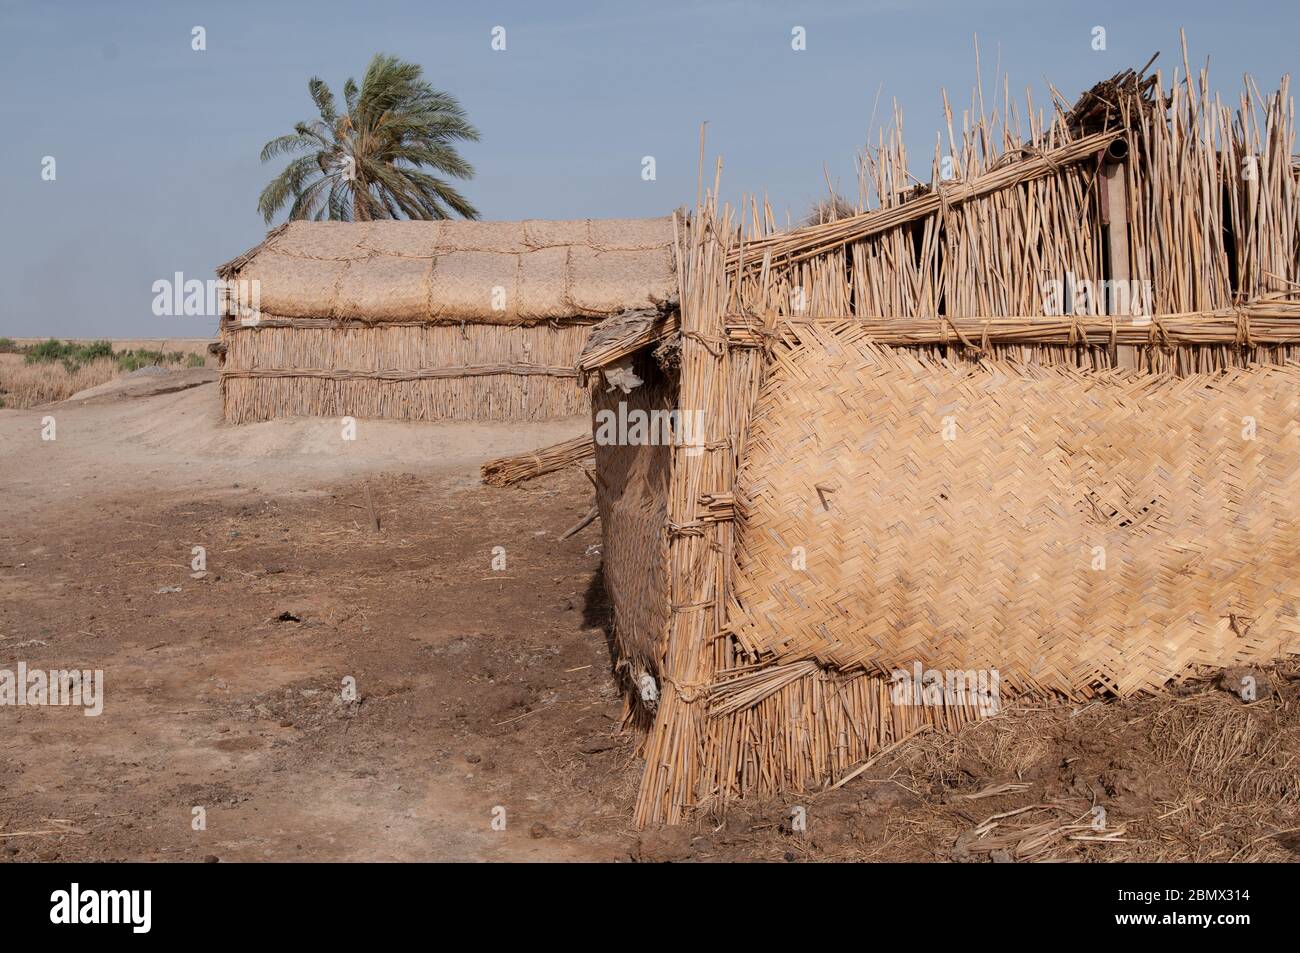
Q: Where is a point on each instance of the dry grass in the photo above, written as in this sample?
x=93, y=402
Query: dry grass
x=505, y=471
x=27, y=382
x=1192, y=775
x=25, y=385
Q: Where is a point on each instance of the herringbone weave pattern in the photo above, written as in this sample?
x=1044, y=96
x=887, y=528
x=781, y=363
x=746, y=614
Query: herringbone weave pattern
x=1078, y=532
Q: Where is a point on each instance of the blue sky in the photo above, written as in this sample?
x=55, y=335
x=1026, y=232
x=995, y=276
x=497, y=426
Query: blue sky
x=157, y=145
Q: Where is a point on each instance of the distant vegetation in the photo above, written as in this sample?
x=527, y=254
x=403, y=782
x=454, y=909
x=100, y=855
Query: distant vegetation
x=72, y=356
x=133, y=360
x=55, y=370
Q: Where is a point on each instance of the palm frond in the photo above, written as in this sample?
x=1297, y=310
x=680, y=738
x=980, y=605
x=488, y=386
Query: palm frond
x=396, y=127
x=287, y=184
x=283, y=145
x=323, y=98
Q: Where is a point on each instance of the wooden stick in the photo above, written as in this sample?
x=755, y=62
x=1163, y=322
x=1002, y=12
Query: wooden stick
x=592, y=515
x=370, y=507
x=877, y=756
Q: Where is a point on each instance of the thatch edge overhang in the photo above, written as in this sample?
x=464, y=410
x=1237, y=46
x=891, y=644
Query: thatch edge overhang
x=624, y=334
x=230, y=269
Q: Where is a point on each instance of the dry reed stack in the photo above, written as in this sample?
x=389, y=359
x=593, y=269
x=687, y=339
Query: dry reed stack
x=506, y=471
x=851, y=510
x=430, y=320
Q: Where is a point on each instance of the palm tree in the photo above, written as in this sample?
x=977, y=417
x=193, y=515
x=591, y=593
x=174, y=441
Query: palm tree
x=369, y=162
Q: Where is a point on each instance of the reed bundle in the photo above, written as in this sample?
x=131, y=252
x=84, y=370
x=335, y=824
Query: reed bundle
x=415, y=374
x=507, y=471
x=1267, y=329
x=815, y=240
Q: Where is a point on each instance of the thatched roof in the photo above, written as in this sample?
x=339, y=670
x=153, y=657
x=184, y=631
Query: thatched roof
x=492, y=272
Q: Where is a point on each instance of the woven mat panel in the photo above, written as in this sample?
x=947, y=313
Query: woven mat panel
x=1078, y=532
x=632, y=496
x=490, y=272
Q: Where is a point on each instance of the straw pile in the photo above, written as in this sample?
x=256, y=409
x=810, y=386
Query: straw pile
x=623, y=335
x=507, y=471
x=432, y=320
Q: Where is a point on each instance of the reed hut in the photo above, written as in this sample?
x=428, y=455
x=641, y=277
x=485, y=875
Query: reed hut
x=922, y=448
x=430, y=320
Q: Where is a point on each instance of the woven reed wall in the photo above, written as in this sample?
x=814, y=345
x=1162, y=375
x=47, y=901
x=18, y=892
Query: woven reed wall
x=1213, y=219
x=815, y=727
x=796, y=726
x=548, y=351
x=1080, y=533
x=744, y=711
x=632, y=495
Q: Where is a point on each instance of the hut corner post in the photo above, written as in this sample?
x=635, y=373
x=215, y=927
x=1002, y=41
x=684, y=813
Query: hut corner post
x=675, y=748
x=1115, y=220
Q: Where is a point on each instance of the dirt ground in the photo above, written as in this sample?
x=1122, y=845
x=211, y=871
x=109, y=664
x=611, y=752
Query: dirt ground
x=482, y=693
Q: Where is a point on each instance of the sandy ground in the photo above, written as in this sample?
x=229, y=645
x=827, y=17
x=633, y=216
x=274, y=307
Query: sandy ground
x=177, y=443
x=212, y=702
x=482, y=694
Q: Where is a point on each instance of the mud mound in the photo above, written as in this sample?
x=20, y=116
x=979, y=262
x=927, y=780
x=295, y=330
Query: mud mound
x=149, y=370
x=148, y=381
